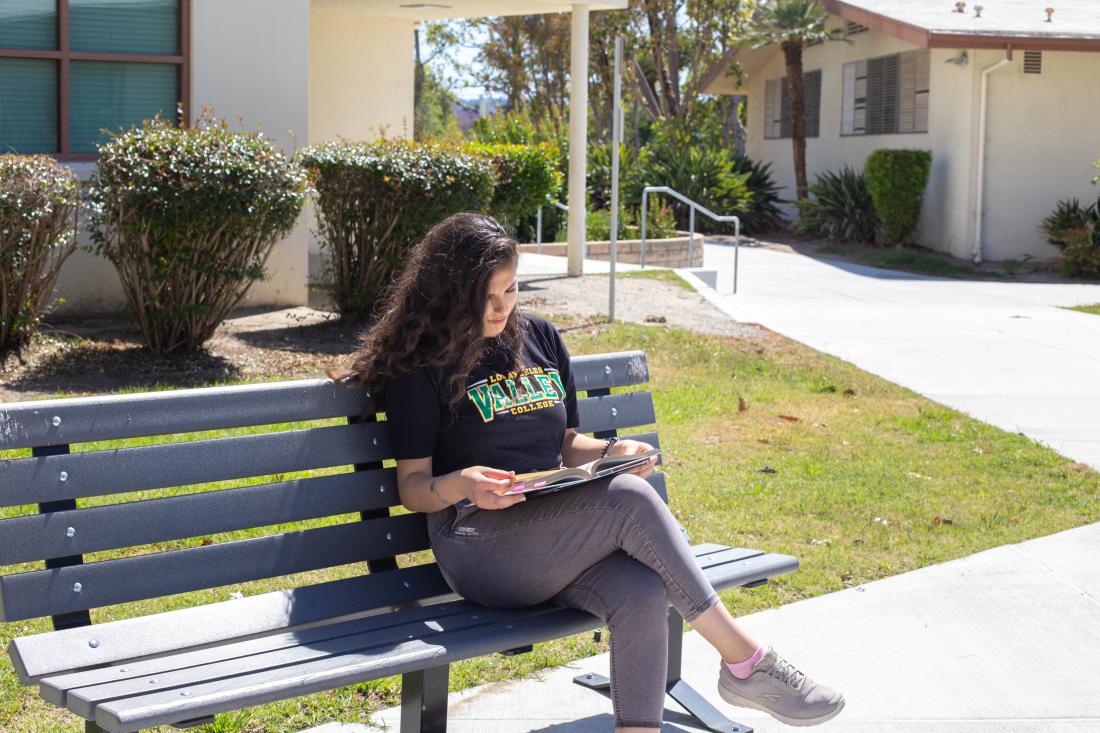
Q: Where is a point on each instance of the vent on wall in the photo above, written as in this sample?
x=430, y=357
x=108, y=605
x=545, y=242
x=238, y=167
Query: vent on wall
x=853, y=28
x=1033, y=62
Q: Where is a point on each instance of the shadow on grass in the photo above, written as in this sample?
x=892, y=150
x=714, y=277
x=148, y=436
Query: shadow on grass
x=332, y=338
x=108, y=366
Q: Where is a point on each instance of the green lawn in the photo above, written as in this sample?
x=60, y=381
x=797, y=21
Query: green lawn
x=858, y=478
x=1094, y=309
x=666, y=276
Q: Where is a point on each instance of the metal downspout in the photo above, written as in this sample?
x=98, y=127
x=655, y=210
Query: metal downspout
x=979, y=205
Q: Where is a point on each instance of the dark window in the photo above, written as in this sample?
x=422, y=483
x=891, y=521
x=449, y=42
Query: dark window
x=886, y=95
x=70, y=69
x=777, y=106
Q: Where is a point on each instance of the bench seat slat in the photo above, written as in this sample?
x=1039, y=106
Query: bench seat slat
x=106, y=583
x=55, y=688
x=355, y=637
x=128, y=715
x=38, y=480
x=606, y=371
x=109, y=417
x=349, y=661
x=59, y=652
x=44, y=536
x=631, y=409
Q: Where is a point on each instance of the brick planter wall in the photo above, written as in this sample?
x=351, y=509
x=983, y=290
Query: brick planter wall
x=658, y=252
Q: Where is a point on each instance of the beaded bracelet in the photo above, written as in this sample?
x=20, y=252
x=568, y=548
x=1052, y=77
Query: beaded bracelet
x=607, y=444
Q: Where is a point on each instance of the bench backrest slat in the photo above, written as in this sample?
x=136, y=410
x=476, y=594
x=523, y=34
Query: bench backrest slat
x=606, y=371
x=81, y=531
x=615, y=412
x=95, y=473
x=51, y=592
x=63, y=533
x=109, y=417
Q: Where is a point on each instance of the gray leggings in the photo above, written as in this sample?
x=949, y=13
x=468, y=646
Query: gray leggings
x=610, y=547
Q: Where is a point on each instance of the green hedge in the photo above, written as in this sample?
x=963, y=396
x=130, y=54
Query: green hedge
x=896, y=180
x=188, y=216
x=376, y=200
x=38, y=201
x=527, y=177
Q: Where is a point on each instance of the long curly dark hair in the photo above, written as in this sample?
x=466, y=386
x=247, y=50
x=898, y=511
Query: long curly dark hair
x=433, y=314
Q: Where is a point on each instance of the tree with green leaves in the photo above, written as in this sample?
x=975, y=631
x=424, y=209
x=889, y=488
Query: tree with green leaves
x=793, y=25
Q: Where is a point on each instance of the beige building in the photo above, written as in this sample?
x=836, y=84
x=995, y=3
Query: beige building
x=1006, y=100
x=304, y=71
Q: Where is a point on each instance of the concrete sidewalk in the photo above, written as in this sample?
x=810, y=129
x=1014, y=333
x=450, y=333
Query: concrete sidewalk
x=1009, y=354
x=1006, y=640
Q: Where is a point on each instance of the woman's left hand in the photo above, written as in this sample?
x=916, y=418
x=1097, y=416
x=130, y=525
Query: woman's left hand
x=632, y=447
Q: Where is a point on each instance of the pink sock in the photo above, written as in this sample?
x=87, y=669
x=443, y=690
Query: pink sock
x=742, y=670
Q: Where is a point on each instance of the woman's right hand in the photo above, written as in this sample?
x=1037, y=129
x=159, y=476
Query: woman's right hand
x=481, y=484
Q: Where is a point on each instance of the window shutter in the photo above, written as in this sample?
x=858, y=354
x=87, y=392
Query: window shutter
x=769, y=107
x=28, y=24
x=907, y=91
x=28, y=106
x=859, y=117
x=115, y=95
x=920, y=103
x=125, y=26
x=848, y=99
x=813, y=103
x=784, y=108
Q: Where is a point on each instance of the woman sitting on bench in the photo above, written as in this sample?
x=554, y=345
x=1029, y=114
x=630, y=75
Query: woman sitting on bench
x=450, y=325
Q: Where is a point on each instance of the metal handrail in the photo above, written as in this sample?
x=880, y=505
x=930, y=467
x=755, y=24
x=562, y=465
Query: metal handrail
x=538, y=227
x=691, y=245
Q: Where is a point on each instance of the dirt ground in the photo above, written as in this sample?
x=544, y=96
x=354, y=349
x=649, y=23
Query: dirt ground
x=105, y=354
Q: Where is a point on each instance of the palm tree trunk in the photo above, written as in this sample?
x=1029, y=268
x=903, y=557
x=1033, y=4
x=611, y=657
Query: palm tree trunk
x=796, y=93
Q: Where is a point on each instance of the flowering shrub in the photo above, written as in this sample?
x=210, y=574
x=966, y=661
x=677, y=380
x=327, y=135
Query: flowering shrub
x=188, y=217
x=376, y=200
x=38, y=202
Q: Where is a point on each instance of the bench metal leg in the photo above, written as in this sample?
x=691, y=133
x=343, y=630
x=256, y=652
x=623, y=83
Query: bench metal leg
x=424, y=700
x=91, y=727
x=683, y=693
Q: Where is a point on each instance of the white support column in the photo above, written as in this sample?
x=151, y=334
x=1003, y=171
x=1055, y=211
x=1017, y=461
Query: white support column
x=578, y=137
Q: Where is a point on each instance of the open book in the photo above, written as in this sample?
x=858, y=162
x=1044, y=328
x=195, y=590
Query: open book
x=545, y=482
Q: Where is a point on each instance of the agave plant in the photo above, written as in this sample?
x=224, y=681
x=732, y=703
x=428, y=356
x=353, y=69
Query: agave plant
x=840, y=208
x=1069, y=217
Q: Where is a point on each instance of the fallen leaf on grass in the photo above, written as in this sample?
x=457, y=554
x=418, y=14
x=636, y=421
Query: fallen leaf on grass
x=767, y=469
x=937, y=521
x=978, y=450
x=741, y=404
x=819, y=542
x=656, y=319
x=912, y=474
x=849, y=392
x=790, y=418
x=207, y=541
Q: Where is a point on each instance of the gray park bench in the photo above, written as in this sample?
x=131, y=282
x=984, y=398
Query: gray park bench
x=182, y=667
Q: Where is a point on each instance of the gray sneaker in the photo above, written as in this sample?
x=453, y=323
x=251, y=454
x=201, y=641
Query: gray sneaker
x=782, y=691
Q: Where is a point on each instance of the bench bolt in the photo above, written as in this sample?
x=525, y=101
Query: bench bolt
x=389, y=535
x=56, y=420
x=63, y=476
x=77, y=587
x=614, y=411
x=407, y=584
x=607, y=369
x=382, y=489
x=93, y=643
x=70, y=532
x=374, y=441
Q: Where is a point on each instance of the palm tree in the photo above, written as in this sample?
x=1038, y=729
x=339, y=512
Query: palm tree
x=793, y=25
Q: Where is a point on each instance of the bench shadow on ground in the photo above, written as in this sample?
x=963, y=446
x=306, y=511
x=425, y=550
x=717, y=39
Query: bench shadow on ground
x=674, y=722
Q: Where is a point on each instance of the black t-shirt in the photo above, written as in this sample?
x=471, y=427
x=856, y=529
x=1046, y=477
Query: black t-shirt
x=508, y=419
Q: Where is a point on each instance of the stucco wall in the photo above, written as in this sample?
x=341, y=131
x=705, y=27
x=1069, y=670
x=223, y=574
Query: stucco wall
x=1041, y=142
x=361, y=76
x=1033, y=158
